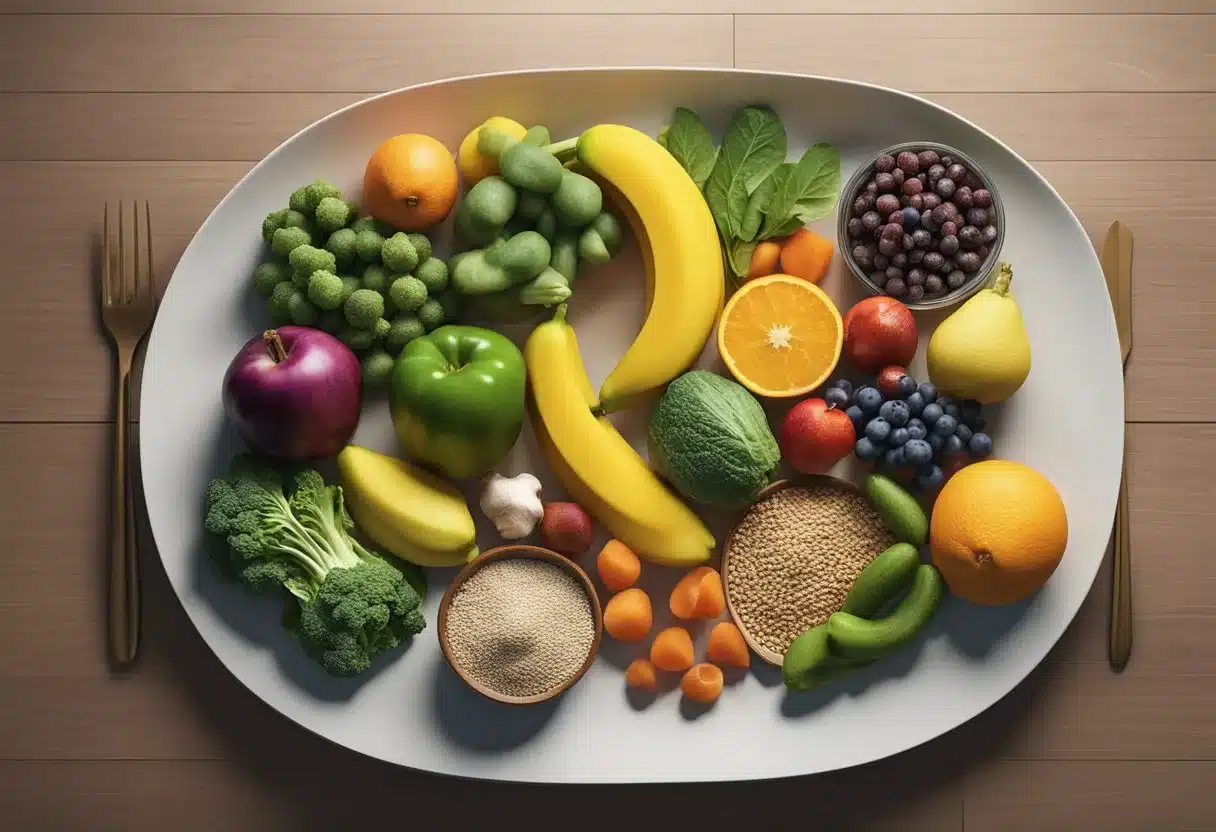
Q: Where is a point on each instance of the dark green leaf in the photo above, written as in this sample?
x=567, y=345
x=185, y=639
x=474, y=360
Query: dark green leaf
x=741, y=257
x=691, y=145
x=754, y=214
x=785, y=229
x=808, y=192
x=754, y=146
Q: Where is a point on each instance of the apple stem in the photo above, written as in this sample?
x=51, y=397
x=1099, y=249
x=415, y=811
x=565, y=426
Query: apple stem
x=1003, y=278
x=274, y=345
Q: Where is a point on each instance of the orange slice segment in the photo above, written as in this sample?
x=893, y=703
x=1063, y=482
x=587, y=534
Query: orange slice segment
x=780, y=336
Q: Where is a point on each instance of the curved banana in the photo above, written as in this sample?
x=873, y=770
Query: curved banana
x=689, y=284
x=595, y=464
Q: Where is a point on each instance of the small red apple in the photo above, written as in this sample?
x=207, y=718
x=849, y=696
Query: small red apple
x=879, y=331
x=815, y=436
x=888, y=379
x=566, y=528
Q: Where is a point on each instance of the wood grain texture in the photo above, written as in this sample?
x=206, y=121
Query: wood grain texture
x=1111, y=796
x=983, y=53
x=247, y=126
x=799, y=7
x=54, y=209
x=333, y=53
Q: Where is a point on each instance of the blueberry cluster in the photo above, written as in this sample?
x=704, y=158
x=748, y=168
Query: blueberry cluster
x=913, y=427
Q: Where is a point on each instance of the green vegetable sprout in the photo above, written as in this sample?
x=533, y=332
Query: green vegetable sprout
x=357, y=339
x=288, y=239
x=377, y=368
x=363, y=308
x=325, y=290
x=301, y=311
x=289, y=533
x=398, y=254
x=433, y=273
x=422, y=245
x=404, y=328
x=431, y=315
x=368, y=245
x=341, y=245
x=407, y=293
x=305, y=260
x=381, y=329
x=376, y=278
x=268, y=275
x=332, y=214
x=350, y=284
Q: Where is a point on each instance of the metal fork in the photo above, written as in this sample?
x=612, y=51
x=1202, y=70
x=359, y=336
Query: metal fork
x=128, y=305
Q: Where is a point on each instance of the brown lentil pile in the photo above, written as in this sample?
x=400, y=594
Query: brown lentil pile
x=520, y=626
x=794, y=558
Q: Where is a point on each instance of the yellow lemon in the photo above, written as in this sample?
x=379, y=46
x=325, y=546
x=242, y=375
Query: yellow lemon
x=475, y=167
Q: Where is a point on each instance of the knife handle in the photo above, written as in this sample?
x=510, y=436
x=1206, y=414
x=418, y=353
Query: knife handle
x=1121, y=591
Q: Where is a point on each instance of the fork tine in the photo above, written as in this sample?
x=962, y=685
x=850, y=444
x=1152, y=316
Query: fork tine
x=106, y=275
x=148, y=234
x=135, y=250
x=122, y=258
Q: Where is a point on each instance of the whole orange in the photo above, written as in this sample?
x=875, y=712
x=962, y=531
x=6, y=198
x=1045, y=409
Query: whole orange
x=998, y=532
x=410, y=182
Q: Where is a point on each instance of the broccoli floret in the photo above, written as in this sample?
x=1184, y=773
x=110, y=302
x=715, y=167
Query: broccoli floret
x=301, y=311
x=363, y=224
x=422, y=245
x=350, y=284
x=279, y=299
x=288, y=239
x=433, y=272
x=294, y=219
x=377, y=369
x=357, y=339
x=407, y=293
x=398, y=254
x=332, y=321
x=404, y=328
x=363, y=308
x=341, y=244
x=352, y=210
x=375, y=277
x=431, y=314
x=368, y=245
x=332, y=214
x=450, y=301
x=325, y=290
x=318, y=190
x=299, y=200
x=272, y=223
x=381, y=329
x=306, y=259
x=295, y=535
x=268, y=275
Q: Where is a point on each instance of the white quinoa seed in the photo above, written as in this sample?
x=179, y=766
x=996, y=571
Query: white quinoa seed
x=795, y=556
x=521, y=627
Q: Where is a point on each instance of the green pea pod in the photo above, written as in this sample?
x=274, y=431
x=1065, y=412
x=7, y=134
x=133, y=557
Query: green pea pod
x=491, y=201
x=548, y=288
x=528, y=167
x=474, y=275
x=805, y=653
x=601, y=240
x=521, y=258
x=577, y=201
x=538, y=136
x=862, y=638
x=492, y=143
x=830, y=670
x=882, y=579
x=565, y=255
x=546, y=224
x=530, y=207
x=471, y=230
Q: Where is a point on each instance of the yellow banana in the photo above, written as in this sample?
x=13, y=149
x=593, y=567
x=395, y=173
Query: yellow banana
x=410, y=512
x=622, y=205
x=595, y=464
x=688, y=280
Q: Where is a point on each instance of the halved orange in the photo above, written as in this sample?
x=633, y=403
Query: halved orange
x=780, y=336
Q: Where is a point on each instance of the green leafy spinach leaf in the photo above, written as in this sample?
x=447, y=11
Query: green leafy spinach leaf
x=755, y=144
x=691, y=144
x=807, y=193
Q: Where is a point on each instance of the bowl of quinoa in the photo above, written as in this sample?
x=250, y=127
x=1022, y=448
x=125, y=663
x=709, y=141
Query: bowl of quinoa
x=794, y=556
x=520, y=624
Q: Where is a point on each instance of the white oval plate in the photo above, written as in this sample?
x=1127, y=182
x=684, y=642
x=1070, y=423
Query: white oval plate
x=1067, y=421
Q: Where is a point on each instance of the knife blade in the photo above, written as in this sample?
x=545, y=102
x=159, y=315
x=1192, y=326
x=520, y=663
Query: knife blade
x=1116, y=259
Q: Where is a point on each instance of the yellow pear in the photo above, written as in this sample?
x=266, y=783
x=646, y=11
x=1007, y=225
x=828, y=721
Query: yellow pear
x=981, y=352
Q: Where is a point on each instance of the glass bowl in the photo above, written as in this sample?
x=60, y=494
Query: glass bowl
x=857, y=182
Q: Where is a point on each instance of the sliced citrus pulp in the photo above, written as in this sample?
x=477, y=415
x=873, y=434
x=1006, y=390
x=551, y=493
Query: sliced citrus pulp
x=780, y=336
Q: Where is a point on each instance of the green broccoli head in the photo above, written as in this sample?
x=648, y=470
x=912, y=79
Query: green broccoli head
x=299, y=200
x=377, y=368
x=325, y=290
x=407, y=293
x=268, y=275
x=318, y=190
x=381, y=330
x=357, y=339
x=279, y=300
x=332, y=214
x=422, y=245
x=272, y=223
x=375, y=277
x=398, y=254
x=349, y=284
x=404, y=328
x=433, y=273
x=294, y=219
x=431, y=314
x=363, y=308
x=341, y=244
x=287, y=239
x=368, y=244
x=363, y=224
x=357, y=613
x=302, y=312
x=306, y=259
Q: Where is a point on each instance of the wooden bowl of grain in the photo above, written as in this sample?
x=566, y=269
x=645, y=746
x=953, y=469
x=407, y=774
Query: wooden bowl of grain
x=793, y=557
x=520, y=624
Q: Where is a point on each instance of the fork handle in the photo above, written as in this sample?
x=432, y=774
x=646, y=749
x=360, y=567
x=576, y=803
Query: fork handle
x=124, y=573
x=1121, y=589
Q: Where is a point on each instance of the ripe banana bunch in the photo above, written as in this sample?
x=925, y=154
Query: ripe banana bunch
x=409, y=512
x=679, y=242
x=595, y=464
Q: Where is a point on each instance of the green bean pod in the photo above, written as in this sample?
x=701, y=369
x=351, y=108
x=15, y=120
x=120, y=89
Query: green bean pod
x=882, y=579
x=862, y=638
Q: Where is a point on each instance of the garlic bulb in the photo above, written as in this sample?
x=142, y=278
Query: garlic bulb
x=512, y=504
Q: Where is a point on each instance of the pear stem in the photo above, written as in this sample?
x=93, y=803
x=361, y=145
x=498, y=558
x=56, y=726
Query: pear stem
x=1003, y=278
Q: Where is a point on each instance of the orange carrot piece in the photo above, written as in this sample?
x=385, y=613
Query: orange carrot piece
x=726, y=646
x=618, y=566
x=711, y=598
x=672, y=650
x=807, y=255
x=641, y=674
x=684, y=597
x=628, y=615
x=702, y=683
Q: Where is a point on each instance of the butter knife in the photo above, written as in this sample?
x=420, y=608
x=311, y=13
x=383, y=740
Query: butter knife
x=1116, y=258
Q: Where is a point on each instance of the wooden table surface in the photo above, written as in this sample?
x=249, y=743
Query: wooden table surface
x=174, y=100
